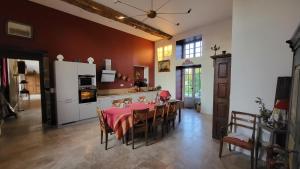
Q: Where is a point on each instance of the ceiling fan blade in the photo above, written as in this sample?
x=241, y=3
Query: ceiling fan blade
x=117, y=1
x=136, y=15
x=176, y=13
x=176, y=24
x=163, y=5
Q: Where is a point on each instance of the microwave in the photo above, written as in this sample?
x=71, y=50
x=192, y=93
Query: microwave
x=86, y=80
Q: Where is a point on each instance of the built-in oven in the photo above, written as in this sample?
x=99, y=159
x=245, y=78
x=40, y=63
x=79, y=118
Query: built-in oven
x=87, y=94
x=86, y=80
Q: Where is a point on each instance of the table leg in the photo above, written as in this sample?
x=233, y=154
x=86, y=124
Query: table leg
x=179, y=118
x=257, y=145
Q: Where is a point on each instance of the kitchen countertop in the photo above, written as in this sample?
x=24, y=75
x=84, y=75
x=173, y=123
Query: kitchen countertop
x=129, y=93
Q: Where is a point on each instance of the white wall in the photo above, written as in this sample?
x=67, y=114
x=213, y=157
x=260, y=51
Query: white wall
x=217, y=33
x=259, y=52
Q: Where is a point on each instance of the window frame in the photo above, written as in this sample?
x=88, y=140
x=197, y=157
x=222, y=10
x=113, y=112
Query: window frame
x=193, y=49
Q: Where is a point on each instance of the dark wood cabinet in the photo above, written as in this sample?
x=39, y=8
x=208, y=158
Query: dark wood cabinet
x=294, y=110
x=222, y=72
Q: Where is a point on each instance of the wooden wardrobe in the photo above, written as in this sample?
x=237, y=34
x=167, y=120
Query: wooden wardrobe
x=222, y=72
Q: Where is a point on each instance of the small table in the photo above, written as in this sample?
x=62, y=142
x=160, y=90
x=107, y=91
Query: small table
x=262, y=144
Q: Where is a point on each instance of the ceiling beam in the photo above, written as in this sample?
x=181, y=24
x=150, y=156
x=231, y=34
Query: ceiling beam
x=107, y=12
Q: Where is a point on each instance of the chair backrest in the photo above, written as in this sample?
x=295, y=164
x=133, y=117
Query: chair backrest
x=159, y=111
x=172, y=108
x=244, y=120
x=140, y=116
x=117, y=102
x=127, y=100
x=142, y=98
x=102, y=121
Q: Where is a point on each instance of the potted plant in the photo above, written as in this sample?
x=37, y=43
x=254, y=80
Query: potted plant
x=264, y=113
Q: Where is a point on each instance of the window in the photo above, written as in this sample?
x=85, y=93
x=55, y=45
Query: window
x=160, y=56
x=193, y=49
x=164, y=52
x=168, y=51
x=188, y=86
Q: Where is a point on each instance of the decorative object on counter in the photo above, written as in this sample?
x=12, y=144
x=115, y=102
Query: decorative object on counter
x=119, y=75
x=158, y=87
x=124, y=77
x=187, y=62
x=265, y=113
x=140, y=83
x=215, y=48
x=60, y=57
x=14, y=28
x=164, y=66
x=224, y=52
x=90, y=60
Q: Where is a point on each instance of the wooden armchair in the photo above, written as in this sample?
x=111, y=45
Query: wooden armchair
x=127, y=100
x=104, y=128
x=171, y=114
x=243, y=120
x=140, y=124
x=159, y=118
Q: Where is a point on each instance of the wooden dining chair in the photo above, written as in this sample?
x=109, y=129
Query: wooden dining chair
x=171, y=114
x=159, y=118
x=116, y=103
x=245, y=121
x=142, y=99
x=127, y=100
x=104, y=128
x=140, y=124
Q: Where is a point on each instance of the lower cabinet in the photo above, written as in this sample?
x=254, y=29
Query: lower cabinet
x=67, y=111
x=87, y=110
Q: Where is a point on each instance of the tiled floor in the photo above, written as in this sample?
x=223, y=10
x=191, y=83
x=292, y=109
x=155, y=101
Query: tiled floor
x=190, y=146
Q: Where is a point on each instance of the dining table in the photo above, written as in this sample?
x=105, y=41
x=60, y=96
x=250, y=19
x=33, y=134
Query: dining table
x=120, y=118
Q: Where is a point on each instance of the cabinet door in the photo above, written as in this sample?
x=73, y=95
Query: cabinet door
x=87, y=110
x=86, y=69
x=66, y=80
x=67, y=111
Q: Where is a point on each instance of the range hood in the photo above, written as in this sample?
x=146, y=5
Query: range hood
x=108, y=75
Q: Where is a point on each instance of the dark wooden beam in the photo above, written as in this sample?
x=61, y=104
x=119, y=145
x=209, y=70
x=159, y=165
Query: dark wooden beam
x=104, y=11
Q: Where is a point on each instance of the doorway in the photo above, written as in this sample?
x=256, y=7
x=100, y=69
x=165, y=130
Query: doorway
x=24, y=95
x=48, y=116
x=191, y=92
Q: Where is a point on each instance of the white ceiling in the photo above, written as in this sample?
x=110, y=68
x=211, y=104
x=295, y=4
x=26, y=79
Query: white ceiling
x=203, y=12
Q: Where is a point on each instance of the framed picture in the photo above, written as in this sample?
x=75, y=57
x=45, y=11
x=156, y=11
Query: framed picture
x=14, y=28
x=164, y=66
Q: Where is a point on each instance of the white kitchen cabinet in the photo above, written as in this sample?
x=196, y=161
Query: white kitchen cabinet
x=87, y=110
x=67, y=111
x=66, y=80
x=86, y=69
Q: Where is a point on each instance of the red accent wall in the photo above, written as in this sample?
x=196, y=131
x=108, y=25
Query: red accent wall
x=76, y=38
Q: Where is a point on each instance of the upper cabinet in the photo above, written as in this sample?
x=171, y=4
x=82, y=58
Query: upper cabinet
x=86, y=69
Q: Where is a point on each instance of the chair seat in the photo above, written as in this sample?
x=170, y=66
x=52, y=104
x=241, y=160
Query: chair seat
x=238, y=141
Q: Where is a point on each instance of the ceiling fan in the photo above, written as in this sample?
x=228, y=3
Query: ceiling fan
x=154, y=13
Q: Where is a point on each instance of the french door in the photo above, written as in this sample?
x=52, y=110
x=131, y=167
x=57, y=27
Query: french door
x=191, y=86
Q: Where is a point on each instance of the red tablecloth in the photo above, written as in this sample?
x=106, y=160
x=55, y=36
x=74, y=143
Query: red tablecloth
x=120, y=119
